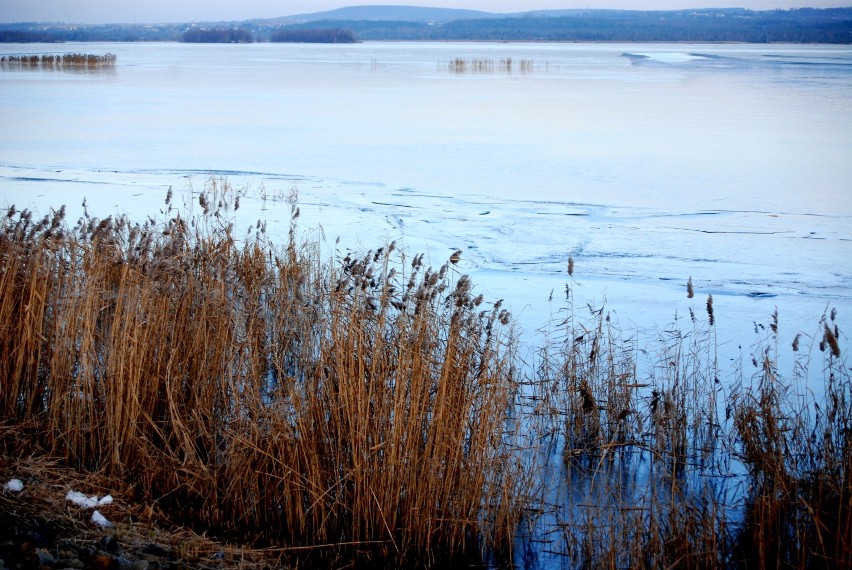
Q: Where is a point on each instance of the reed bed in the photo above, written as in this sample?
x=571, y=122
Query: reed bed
x=356, y=408
x=639, y=438
x=68, y=61
x=366, y=408
x=669, y=462
x=798, y=455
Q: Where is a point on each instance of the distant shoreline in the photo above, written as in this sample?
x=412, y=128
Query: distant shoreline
x=494, y=42
x=797, y=26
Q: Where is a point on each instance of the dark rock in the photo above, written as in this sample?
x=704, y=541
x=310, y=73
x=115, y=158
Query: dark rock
x=155, y=549
x=110, y=544
x=45, y=558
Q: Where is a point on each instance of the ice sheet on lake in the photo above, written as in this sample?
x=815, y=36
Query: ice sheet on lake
x=664, y=57
x=636, y=259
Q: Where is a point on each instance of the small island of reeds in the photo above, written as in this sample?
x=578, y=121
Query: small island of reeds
x=68, y=61
x=463, y=65
x=365, y=408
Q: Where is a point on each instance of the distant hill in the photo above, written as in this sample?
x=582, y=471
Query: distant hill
x=387, y=13
x=803, y=25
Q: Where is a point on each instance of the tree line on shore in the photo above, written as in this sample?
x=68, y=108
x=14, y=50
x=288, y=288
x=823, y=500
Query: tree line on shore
x=242, y=35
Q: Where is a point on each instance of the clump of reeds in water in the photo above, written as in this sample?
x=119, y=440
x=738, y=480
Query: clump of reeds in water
x=671, y=462
x=636, y=436
x=68, y=61
x=358, y=408
x=798, y=453
x=488, y=65
x=474, y=65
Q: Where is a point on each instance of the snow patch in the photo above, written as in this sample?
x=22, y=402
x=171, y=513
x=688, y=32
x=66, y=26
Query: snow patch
x=100, y=520
x=87, y=502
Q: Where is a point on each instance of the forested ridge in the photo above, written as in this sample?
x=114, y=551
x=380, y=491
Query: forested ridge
x=803, y=25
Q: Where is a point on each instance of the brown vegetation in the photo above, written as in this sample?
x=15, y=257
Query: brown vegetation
x=357, y=407
x=667, y=465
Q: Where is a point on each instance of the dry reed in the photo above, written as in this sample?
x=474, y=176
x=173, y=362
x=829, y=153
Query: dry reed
x=798, y=454
x=666, y=465
x=261, y=395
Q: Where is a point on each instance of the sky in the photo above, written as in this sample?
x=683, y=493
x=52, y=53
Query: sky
x=154, y=11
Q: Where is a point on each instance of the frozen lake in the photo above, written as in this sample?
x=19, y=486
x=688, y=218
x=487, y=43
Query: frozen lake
x=648, y=163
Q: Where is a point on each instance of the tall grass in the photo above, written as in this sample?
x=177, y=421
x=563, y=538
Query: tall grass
x=639, y=437
x=369, y=408
x=670, y=462
x=799, y=457
x=355, y=407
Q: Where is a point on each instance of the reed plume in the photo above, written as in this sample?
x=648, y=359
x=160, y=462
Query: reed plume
x=710, y=317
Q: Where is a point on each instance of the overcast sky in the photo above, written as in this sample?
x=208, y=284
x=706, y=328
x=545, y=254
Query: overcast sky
x=126, y=11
